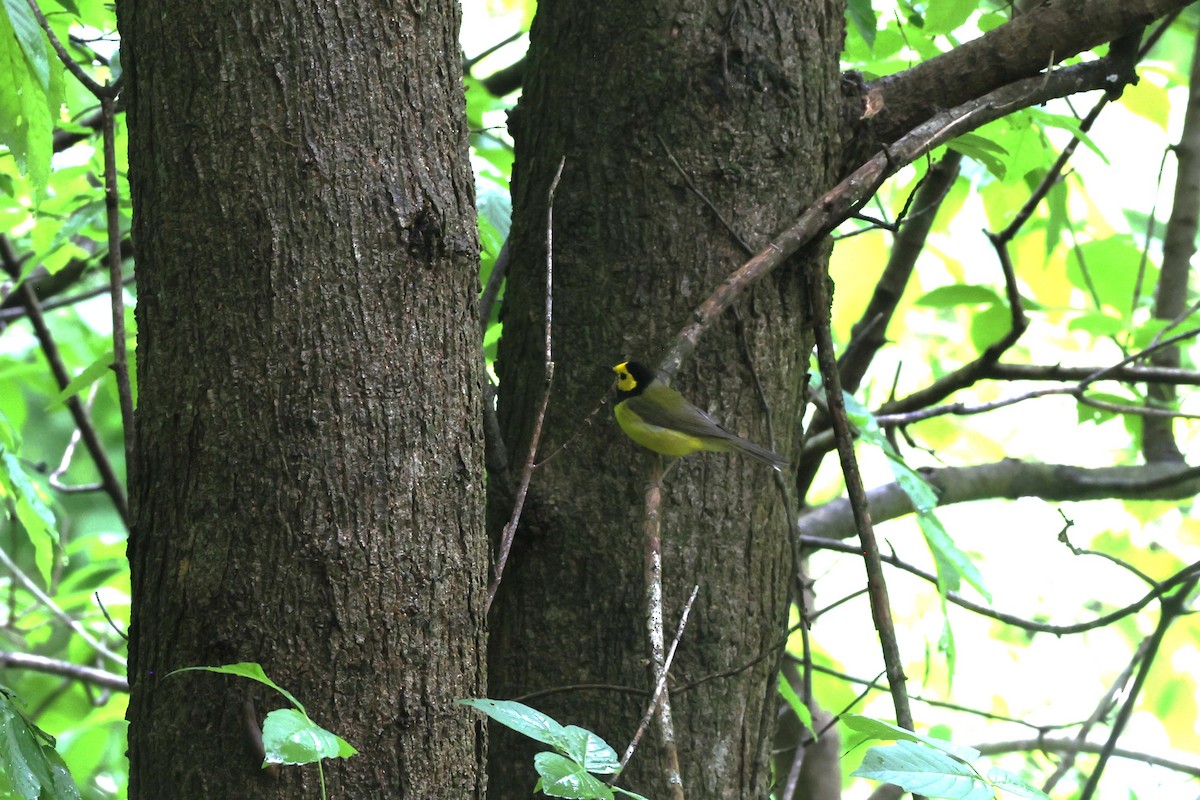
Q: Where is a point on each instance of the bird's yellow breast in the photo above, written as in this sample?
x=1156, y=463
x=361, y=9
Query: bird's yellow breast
x=656, y=438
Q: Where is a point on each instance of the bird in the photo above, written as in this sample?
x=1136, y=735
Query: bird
x=661, y=419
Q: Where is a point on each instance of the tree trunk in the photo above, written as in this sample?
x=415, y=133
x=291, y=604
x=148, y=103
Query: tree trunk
x=308, y=492
x=746, y=99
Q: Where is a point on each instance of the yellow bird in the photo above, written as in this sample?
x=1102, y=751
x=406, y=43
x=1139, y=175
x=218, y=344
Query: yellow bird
x=659, y=418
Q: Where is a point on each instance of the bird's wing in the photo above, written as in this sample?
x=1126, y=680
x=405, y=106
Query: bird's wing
x=685, y=418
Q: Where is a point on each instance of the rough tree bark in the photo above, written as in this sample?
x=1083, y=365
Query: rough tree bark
x=308, y=492
x=746, y=99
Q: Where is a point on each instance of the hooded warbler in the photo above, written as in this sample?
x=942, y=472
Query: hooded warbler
x=659, y=418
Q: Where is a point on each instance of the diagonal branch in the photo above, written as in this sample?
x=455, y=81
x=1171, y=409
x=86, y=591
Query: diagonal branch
x=1011, y=479
x=1013, y=52
x=841, y=201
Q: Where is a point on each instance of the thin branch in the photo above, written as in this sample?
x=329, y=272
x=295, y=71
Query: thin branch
x=1058, y=372
x=112, y=207
x=108, y=476
x=881, y=611
x=1068, y=745
x=1011, y=479
x=838, y=203
x=53, y=666
x=1172, y=608
x=660, y=687
x=1185, y=574
x=652, y=541
x=89, y=83
x=45, y=600
x=510, y=530
x=1101, y=710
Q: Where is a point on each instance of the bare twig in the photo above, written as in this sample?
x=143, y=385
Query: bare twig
x=1035, y=626
x=49, y=603
x=64, y=464
x=660, y=686
x=1011, y=478
x=89, y=83
x=1058, y=372
x=1172, y=608
x=91, y=439
x=53, y=666
x=881, y=611
x=510, y=530
x=112, y=206
x=652, y=540
x=838, y=203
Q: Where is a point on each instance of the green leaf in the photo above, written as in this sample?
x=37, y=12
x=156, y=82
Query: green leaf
x=985, y=151
x=32, y=512
x=29, y=92
x=959, y=295
x=1068, y=124
x=33, y=42
x=923, y=771
x=952, y=563
x=1012, y=784
x=1097, y=323
x=1112, y=266
x=990, y=325
x=33, y=770
x=862, y=16
x=522, y=719
x=290, y=737
x=563, y=777
x=246, y=669
x=10, y=437
x=92, y=373
x=946, y=16
x=590, y=750
x=797, y=705
x=887, y=731
x=1149, y=101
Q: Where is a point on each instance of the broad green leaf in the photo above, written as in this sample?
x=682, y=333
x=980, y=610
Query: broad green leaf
x=862, y=16
x=290, y=737
x=590, y=750
x=33, y=42
x=62, y=784
x=797, y=705
x=563, y=777
x=10, y=437
x=924, y=771
x=1110, y=268
x=246, y=669
x=1097, y=323
x=987, y=152
x=33, y=770
x=959, y=295
x=951, y=562
x=30, y=92
x=990, y=325
x=1056, y=215
x=1149, y=101
x=1012, y=784
x=522, y=719
x=946, y=16
x=887, y=731
x=32, y=512
x=92, y=373
x=1068, y=124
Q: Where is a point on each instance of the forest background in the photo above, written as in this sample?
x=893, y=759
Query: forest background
x=1016, y=316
